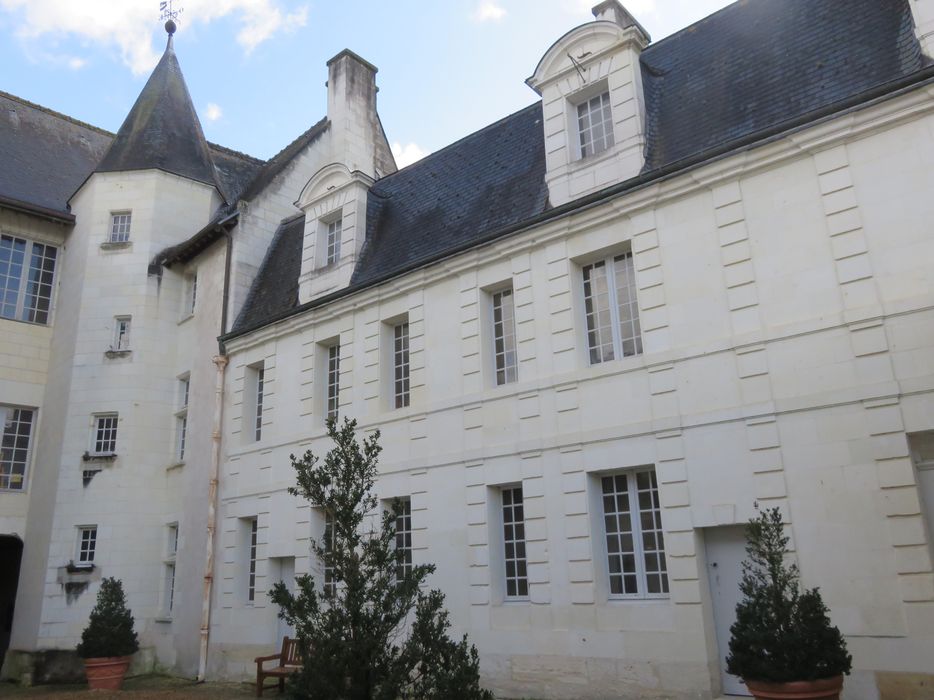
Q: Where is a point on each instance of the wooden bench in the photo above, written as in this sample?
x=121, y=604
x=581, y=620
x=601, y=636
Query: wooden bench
x=289, y=662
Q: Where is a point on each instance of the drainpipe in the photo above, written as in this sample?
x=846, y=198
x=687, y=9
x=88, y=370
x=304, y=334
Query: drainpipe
x=221, y=362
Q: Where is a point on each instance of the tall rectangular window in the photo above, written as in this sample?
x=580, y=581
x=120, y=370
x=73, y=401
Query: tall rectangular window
x=14, y=449
x=121, y=341
x=517, y=580
x=120, y=227
x=251, y=567
x=168, y=590
x=181, y=418
x=404, y=540
x=258, y=416
x=635, y=543
x=400, y=361
x=330, y=585
x=333, y=380
x=191, y=294
x=612, y=309
x=334, y=241
x=87, y=546
x=104, y=437
x=595, y=125
x=504, y=337
x=922, y=454
x=27, y=271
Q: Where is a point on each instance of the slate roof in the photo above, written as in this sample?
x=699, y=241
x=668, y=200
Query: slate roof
x=162, y=129
x=751, y=70
x=44, y=155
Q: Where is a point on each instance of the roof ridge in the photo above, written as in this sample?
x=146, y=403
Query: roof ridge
x=273, y=166
x=451, y=145
x=233, y=152
x=54, y=113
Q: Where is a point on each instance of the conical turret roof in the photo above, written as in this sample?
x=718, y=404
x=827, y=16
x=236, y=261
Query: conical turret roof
x=162, y=131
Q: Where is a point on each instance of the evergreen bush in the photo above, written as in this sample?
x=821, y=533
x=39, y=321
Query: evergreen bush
x=110, y=627
x=781, y=634
x=368, y=632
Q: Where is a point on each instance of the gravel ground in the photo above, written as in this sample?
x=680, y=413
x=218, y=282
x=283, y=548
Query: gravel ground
x=140, y=688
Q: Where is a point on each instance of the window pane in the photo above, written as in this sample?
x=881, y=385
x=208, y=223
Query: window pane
x=258, y=417
x=517, y=584
x=630, y=332
x=401, y=364
x=597, y=308
x=595, y=125
x=333, y=381
x=333, y=242
x=504, y=337
x=14, y=449
x=404, y=541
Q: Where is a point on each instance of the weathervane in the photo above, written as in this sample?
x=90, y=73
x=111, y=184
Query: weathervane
x=169, y=15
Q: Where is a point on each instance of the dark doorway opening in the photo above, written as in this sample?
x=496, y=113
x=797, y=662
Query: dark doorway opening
x=11, y=552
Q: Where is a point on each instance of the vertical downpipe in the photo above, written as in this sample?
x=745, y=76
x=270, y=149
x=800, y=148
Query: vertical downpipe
x=221, y=362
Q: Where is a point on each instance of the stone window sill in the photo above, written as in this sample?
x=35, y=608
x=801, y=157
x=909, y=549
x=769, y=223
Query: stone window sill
x=109, y=457
x=113, y=354
x=175, y=465
x=164, y=618
x=116, y=245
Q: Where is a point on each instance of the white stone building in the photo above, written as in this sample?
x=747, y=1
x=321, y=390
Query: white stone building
x=692, y=280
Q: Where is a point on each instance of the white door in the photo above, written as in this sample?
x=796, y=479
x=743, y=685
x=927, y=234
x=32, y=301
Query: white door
x=726, y=549
x=283, y=569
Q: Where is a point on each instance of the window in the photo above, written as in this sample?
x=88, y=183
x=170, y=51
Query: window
x=333, y=241
x=595, y=125
x=330, y=586
x=87, y=546
x=27, y=269
x=504, y=337
x=258, y=416
x=120, y=227
x=404, y=540
x=635, y=543
x=181, y=418
x=251, y=568
x=104, y=439
x=400, y=361
x=333, y=380
x=168, y=590
x=612, y=310
x=121, y=340
x=517, y=580
x=14, y=450
x=191, y=294
x=922, y=454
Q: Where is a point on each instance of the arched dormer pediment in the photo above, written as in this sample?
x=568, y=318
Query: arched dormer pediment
x=330, y=180
x=589, y=44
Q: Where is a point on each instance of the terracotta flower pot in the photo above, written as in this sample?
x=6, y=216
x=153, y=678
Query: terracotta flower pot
x=106, y=673
x=821, y=689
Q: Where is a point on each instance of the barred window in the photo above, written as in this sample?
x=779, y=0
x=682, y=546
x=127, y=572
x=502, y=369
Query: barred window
x=517, y=580
x=14, y=449
x=87, y=545
x=595, y=125
x=104, y=439
x=612, y=310
x=400, y=355
x=27, y=272
x=504, y=337
x=120, y=227
x=333, y=380
x=635, y=543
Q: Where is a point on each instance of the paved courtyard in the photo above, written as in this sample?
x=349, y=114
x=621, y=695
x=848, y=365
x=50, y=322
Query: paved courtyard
x=139, y=688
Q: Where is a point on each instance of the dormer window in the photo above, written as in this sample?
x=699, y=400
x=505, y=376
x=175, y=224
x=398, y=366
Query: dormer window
x=333, y=241
x=595, y=125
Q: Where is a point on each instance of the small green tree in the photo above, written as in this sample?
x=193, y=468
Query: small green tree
x=367, y=632
x=780, y=633
x=110, y=627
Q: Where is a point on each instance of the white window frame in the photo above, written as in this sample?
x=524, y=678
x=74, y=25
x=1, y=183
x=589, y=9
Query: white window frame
x=121, y=339
x=332, y=378
x=614, y=542
x=505, y=351
x=99, y=428
x=586, y=130
x=252, y=538
x=86, y=548
x=258, y=402
x=30, y=280
x=403, y=542
x=515, y=554
x=333, y=232
x=169, y=564
x=400, y=365
x=604, y=337
x=15, y=458
x=181, y=417
x=191, y=294
x=120, y=224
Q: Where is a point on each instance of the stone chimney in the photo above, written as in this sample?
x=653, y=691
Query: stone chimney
x=923, y=11
x=356, y=132
x=613, y=11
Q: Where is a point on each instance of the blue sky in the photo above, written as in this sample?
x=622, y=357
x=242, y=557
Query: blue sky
x=256, y=68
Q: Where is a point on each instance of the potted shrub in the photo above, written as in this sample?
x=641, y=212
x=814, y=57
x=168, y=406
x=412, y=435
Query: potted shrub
x=108, y=641
x=782, y=643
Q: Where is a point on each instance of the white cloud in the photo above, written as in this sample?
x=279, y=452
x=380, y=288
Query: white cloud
x=488, y=10
x=129, y=25
x=408, y=153
x=213, y=112
x=76, y=63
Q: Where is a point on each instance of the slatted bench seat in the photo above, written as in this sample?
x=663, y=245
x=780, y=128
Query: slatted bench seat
x=289, y=662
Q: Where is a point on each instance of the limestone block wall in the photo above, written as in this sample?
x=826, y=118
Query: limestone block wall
x=785, y=299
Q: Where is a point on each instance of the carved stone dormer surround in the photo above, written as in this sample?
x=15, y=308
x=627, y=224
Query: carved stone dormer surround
x=333, y=193
x=595, y=58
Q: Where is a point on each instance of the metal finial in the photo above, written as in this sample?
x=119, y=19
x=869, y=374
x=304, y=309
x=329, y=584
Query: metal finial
x=170, y=16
